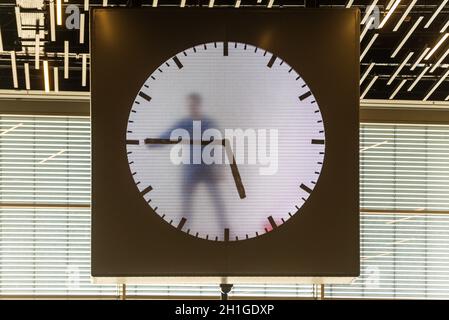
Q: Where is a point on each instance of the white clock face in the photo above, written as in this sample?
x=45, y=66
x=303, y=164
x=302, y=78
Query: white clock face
x=226, y=87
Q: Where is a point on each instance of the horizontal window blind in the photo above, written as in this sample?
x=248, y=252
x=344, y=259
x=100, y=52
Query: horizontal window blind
x=403, y=168
x=45, y=161
x=45, y=250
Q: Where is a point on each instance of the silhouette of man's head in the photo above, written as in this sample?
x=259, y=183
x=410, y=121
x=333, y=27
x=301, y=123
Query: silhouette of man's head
x=194, y=104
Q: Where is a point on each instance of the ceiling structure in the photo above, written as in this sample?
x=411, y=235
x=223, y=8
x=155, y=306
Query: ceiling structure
x=404, y=43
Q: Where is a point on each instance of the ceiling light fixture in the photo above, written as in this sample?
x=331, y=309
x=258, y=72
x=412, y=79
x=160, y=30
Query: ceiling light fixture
x=409, y=33
x=367, y=71
x=368, y=11
x=84, y=70
x=439, y=43
x=18, y=21
x=368, y=87
x=37, y=49
x=56, y=79
x=58, y=12
x=437, y=85
x=14, y=69
x=395, y=74
x=26, y=67
x=1, y=40
x=405, y=15
x=368, y=46
x=390, y=12
x=82, y=21
x=437, y=11
x=46, y=77
x=52, y=21
x=395, y=92
x=366, y=28
x=66, y=59
x=438, y=63
x=423, y=54
x=390, y=3
x=417, y=79
x=444, y=28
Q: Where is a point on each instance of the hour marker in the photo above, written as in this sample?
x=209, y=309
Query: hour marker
x=271, y=62
x=132, y=141
x=305, y=188
x=225, y=49
x=272, y=222
x=181, y=223
x=226, y=234
x=178, y=63
x=146, y=190
x=305, y=95
x=145, y=96
x=317, y=141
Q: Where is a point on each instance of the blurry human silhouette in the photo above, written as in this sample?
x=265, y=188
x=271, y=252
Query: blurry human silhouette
x=194, y=174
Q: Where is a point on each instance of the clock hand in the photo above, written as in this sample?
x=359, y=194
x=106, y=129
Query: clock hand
x=229, y=154
x=234, y=169
x=169, y=141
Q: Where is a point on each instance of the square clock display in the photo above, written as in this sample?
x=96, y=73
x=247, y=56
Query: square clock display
x=225, y=145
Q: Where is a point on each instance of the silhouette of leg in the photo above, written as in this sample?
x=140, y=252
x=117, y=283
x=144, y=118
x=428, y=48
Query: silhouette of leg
x=220, y=208
x=187, y=190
